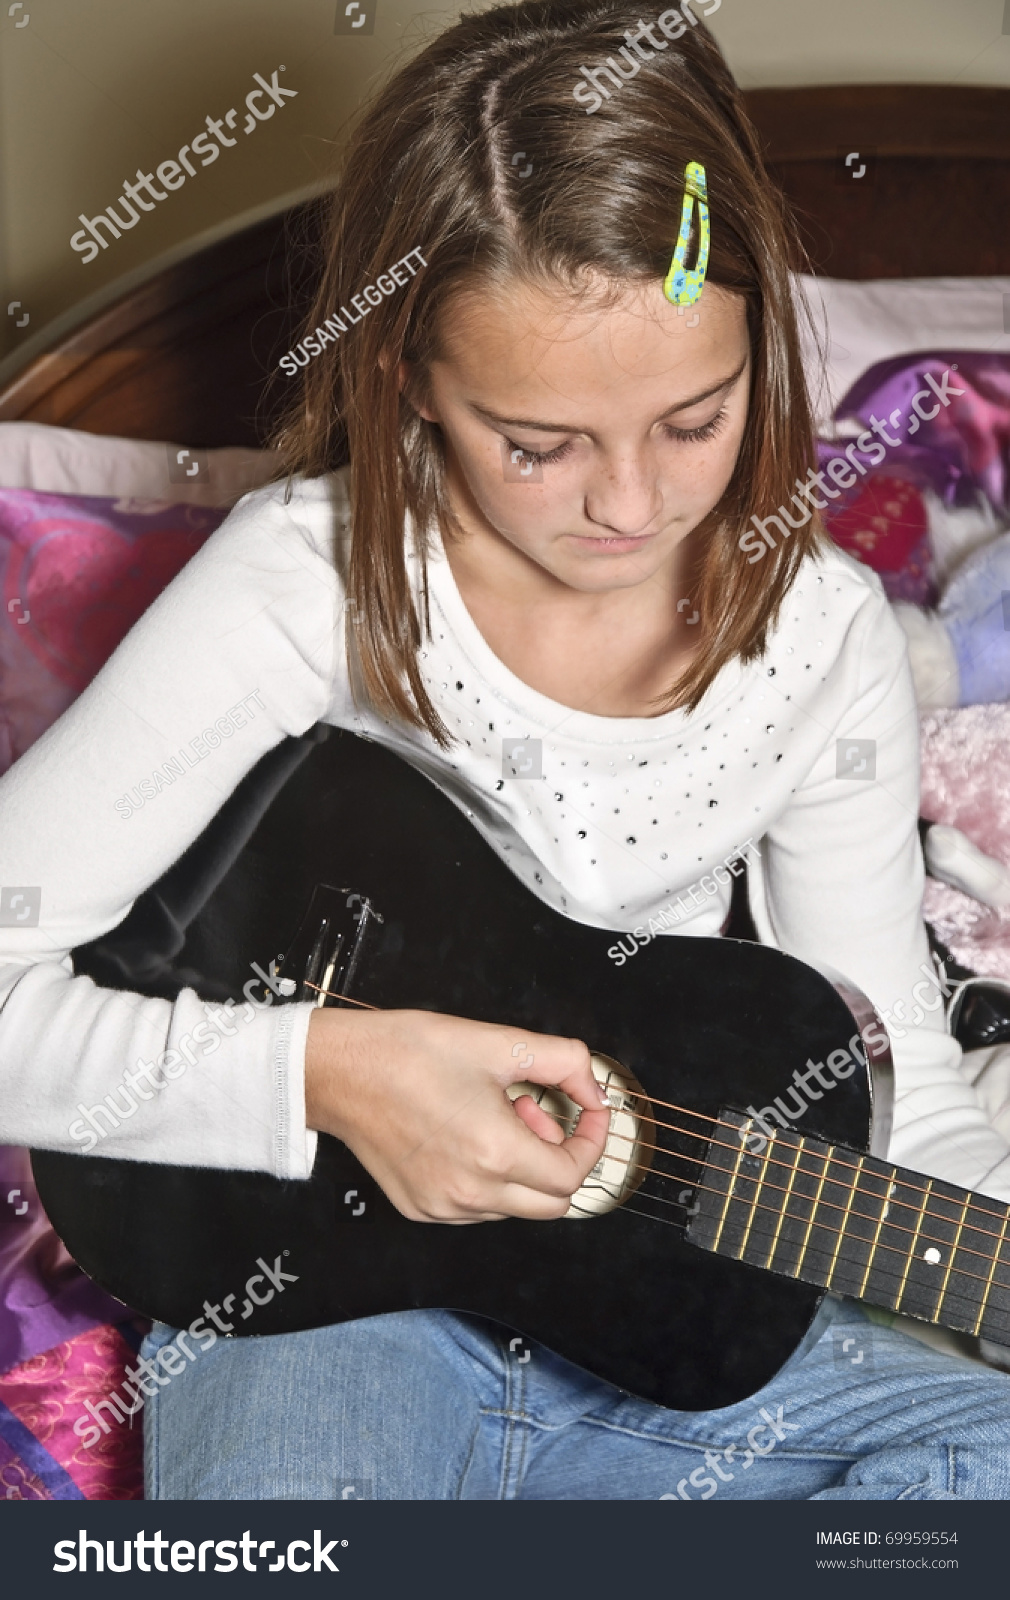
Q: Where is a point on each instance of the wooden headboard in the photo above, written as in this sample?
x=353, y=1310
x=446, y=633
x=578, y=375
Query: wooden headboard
x=187, y=357
x=935, y=196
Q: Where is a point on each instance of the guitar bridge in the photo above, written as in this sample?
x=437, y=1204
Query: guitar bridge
x=324, y=957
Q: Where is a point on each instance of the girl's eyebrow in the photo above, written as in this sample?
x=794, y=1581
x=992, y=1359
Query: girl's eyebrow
x=557, y=427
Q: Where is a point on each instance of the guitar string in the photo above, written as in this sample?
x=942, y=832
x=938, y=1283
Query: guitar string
x=880, y=1244
x=824, y=1227
x=840, y=1233
x=849, y=1166
x=672, y=1177
x=818, y=1175
x=650, y=1216
x=718, y=1122
x=807, y=1172
x=666, y=1222
x=345, y=998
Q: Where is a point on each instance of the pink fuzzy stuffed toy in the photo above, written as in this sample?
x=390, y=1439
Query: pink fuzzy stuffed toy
x=966, y=786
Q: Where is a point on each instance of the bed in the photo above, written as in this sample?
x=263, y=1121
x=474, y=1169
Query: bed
x=887, y=182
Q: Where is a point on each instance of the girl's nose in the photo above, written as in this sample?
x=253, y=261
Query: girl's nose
x=624, y=498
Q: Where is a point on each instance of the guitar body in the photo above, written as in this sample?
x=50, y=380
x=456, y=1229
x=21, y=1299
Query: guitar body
x=702, y=1023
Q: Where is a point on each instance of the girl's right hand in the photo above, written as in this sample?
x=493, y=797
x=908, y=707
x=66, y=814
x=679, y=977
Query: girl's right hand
x=420, y=1099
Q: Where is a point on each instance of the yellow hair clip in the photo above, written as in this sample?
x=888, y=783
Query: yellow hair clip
x=682, y=287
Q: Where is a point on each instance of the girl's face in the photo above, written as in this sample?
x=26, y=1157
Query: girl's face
x=630, y=417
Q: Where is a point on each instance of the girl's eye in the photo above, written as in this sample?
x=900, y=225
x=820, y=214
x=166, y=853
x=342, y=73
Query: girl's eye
x=545, y=458
x=539, y=458
x=698, y=435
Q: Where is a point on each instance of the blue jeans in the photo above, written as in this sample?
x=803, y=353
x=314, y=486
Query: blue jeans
x=434, y=1406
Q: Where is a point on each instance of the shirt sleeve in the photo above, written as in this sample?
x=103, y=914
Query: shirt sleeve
x=237, y=653
x=840, y=883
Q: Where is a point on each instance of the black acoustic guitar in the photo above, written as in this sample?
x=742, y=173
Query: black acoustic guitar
x=692, y=1260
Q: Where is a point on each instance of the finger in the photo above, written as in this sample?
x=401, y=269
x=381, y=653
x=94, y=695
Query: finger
x=508, y=1200
x=537, y=1119
x=587, y=1140
x=471, y=1216
x=543, y=1058
x=585, y=1145
x=431, y=1209
x=461, y=1221
x=554, y=1169
x=532, y=1205
x=552, y=1060
x=504, y=1201
x=526, y=1205
x=563, y=1064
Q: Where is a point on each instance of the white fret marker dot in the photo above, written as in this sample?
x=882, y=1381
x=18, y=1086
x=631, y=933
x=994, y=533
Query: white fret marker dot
x=932, y=1256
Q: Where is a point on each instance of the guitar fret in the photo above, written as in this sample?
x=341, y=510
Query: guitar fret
x=885, y=1206
x=864, y=1200
x=848, y=1222
x=910, y=1255
x=988, y=1282
x=995, y=1292
x=820, y=1252
x=813, y=1209
x=889, y=1276
x=785, y=1202
x=844, y=1223
x=755, y=1202
x=953, y=1252
x=782, y=1229
x=716, y=1224
x=974, y=1236
x=950, y=1252
x=729, y=1194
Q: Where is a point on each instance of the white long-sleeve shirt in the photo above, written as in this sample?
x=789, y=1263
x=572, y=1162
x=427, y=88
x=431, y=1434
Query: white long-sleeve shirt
x=626, y=818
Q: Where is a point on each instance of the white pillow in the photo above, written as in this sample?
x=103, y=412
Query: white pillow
x=861, y=323
x=65, y=461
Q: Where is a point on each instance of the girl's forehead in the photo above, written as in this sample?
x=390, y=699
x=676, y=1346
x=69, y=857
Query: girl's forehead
x=519, y=330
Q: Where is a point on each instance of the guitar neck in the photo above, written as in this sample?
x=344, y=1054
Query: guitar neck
x=855, y=1225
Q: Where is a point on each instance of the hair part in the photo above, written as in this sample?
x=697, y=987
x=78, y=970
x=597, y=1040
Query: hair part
x=429, y=167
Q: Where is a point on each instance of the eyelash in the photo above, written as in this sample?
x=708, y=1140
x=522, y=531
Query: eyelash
x=546, y=458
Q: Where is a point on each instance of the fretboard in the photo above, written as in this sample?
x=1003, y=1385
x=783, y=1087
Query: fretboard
x=855, y=1225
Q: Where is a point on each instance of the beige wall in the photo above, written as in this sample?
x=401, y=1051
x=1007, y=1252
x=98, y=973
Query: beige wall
x=90, y=90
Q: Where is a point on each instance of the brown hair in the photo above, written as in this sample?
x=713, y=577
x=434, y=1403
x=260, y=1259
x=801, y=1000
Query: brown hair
x=429, y=168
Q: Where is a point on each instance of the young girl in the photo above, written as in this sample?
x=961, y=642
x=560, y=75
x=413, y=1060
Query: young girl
x=553, y=465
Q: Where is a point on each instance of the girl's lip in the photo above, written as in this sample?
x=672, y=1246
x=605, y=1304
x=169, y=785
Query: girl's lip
x=615, y=544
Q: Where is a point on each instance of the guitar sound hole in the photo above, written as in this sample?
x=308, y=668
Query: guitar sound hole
x=627, y=1154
